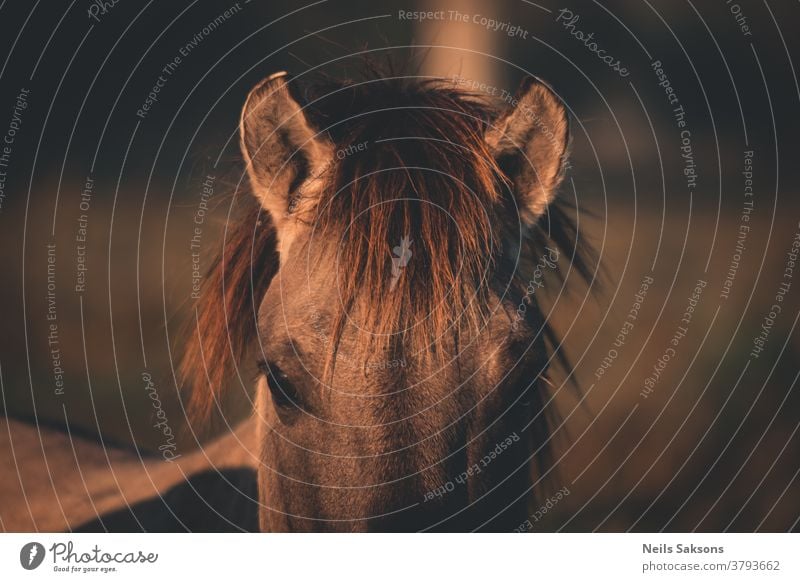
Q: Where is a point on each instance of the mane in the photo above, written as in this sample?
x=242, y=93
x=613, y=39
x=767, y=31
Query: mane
x=419, y=185
x=223, y=324
x=424, y=176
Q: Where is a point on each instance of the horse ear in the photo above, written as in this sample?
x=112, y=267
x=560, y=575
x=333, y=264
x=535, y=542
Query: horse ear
x=530, y=142
x=284, y=154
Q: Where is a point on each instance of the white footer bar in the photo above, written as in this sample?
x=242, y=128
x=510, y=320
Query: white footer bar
x=401, y=558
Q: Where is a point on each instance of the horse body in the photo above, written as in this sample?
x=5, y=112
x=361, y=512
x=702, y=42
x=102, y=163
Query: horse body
x=67, y=483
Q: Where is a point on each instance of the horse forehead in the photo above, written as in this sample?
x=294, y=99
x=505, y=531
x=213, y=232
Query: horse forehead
x=302, y=302
x=302, y=286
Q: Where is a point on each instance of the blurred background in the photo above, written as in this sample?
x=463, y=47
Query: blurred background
x=684, y=172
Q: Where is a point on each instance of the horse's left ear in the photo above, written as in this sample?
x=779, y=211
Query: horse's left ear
x=530, y=142
x=284, y=153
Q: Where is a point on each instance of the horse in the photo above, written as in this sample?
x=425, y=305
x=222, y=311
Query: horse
x=62, y=479
x=384, y=280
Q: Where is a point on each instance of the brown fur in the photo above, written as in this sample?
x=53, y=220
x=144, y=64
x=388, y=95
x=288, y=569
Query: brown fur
x=445, y=189
x=472, y=188
x=57, y=481
x=449, y=127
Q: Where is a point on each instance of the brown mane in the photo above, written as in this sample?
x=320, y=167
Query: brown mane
x=425, y=173
x=224, y=321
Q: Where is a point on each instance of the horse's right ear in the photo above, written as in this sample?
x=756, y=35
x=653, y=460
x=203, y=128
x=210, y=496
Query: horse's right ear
x=531, y=139
x=284, y=154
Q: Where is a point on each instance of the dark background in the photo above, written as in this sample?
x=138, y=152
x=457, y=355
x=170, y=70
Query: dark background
x=714, y=447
